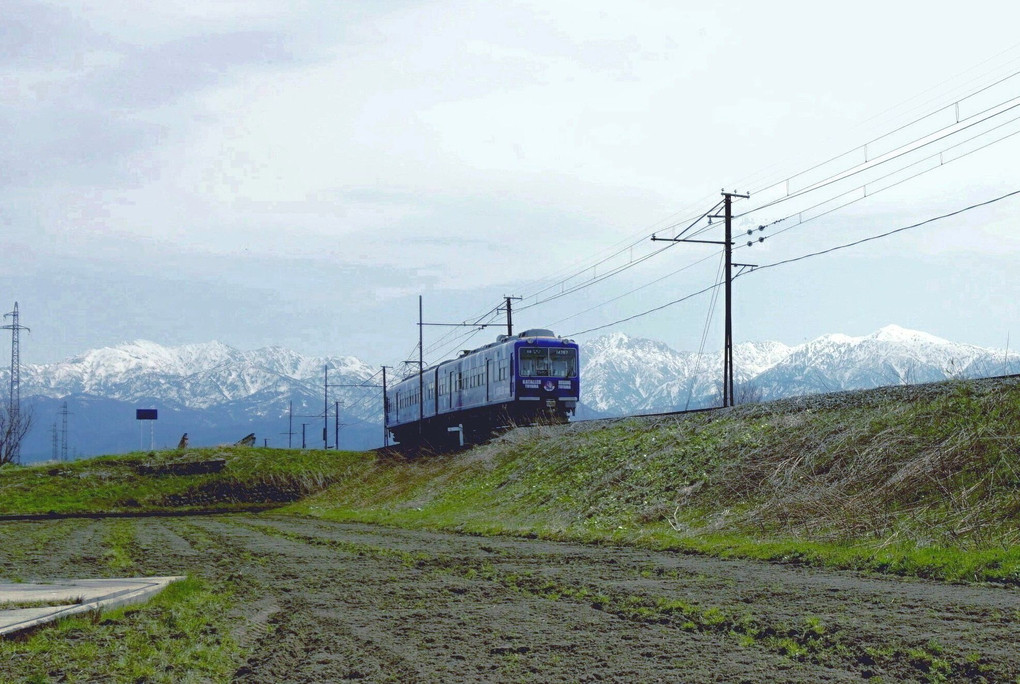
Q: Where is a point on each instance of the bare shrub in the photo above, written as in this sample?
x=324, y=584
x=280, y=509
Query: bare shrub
x=13, y=428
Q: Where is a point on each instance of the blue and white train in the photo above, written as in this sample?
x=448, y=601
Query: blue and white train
x=516, y=380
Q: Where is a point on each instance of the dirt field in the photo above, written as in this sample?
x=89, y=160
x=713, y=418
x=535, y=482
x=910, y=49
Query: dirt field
x=318, y=601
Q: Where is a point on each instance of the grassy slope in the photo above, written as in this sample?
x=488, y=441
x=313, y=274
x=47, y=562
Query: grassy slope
x=913, y=482
x=921, y=482
x=114, y=484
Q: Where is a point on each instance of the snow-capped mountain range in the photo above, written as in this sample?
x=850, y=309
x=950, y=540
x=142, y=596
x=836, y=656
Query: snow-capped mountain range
x=219, y=394
x=191, y=376
x=622, y=375
x=214, y=392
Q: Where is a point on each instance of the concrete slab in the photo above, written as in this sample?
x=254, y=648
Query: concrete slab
x=70, y=597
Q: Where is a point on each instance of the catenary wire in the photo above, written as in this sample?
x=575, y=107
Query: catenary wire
x=636, y=289
x=950, y=94
x=907, y=148
x=886, y=234
x=957, y=99
x=645, y=313
x=939, y=110
x=871, y=193
x=704, y=332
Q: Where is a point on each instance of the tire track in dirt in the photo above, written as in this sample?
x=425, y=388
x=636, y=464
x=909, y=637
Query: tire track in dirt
x=456, y=628
x=33, y=543
x=72, y=548
x=305, y=640
x=964, y=629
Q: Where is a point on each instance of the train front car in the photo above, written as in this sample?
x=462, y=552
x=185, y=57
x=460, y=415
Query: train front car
x=516, y=380
x=546, y=378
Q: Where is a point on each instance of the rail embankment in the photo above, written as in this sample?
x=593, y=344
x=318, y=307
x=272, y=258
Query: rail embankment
x=916, y=480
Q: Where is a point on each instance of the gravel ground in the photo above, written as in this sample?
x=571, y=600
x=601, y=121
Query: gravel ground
x=320, y=601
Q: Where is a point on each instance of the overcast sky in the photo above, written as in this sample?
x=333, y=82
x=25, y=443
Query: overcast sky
x=297, y=173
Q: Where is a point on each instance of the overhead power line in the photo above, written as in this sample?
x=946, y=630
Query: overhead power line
x=888, y=233
x=636, y=289
x=868, y=190
x=596, y=279
x=904, y=149
x=952, y=98
x=649, y=311
x=907, y=148
x=888, y=134
x=949, y=96
x=799, y=258
x=622, y=247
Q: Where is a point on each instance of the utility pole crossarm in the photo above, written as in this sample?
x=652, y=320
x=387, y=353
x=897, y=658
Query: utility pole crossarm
x=655, y=238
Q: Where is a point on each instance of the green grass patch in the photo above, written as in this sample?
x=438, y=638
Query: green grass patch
x=141, y=482
x=181, y=635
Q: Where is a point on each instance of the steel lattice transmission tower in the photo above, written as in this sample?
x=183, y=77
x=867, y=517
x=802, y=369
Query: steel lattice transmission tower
x=14, y=405
x=64, y=413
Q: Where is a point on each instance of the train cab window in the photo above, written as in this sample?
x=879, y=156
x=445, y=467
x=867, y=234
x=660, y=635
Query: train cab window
x=548, y=362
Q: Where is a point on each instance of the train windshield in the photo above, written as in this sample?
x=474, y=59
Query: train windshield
x=548, y=362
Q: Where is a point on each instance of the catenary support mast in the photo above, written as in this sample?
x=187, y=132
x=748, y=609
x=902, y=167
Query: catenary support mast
x=727, y=244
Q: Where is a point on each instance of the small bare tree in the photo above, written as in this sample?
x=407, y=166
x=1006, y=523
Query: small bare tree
x=743, y=393
x=748, y=393
x=12, y=431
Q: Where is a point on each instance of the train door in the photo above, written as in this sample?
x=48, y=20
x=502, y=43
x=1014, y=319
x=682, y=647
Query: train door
x=488, y=379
